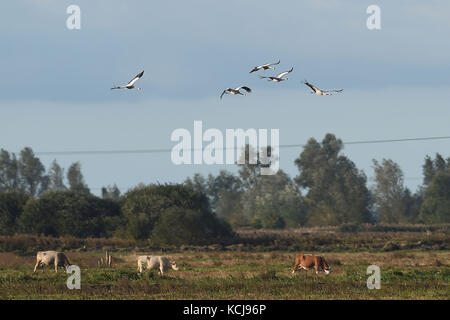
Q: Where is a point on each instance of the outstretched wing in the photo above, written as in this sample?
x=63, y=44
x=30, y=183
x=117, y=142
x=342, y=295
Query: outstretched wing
x=340, y=90
x=314, y=88
x=281, y=75
x=132, y=81
x=245, y=88
x=273, y=64
x=224, y=91
x=255, y=69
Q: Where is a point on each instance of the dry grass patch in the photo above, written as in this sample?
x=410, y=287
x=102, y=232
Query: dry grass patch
x=11, y=259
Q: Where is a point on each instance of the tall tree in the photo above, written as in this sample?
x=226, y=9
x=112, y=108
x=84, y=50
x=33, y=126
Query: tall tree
x=76, y=179
x=389, y=191
x=250, y=164
x=274, y=202
x=198, y=183
x=11, y=207
x=224, y=182
x=111, y=193
x=433, y=166
x=32, y=173
x=9, y=171
x=428, y=171
x=413, y=203
x=336, y=189
x=56, y=177
x=436, y=205
x=223, y=191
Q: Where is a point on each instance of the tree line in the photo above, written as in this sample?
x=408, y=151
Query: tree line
x=328, y=190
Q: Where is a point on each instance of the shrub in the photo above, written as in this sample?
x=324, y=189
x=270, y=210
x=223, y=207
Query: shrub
x=178, y=226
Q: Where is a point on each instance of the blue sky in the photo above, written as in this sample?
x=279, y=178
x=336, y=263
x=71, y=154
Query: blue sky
x=54, y=89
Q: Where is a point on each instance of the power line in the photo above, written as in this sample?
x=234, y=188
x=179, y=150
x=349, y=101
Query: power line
x=149, y=151
x=126, y=188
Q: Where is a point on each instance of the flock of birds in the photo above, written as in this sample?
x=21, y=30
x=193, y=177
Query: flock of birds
x=237, y=91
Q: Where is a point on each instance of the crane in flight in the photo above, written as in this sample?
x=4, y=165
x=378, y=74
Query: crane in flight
x=265, y=66
x=279, y=77
x=235, y=91
x=320, y=92
x=130, y=85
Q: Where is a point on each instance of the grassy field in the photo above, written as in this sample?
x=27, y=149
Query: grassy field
x=405, y=274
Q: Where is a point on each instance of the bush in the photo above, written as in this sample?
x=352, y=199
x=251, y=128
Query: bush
x=171, y=214
x=62, y=213
x=178, y=226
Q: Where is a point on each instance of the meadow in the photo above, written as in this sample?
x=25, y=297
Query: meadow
x=414, y=265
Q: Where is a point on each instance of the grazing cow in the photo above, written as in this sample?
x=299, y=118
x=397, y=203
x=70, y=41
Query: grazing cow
x=307, y=261
x=59, y=259
x=156, y=262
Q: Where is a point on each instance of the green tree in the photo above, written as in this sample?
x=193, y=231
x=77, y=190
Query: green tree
x=178, y=226
x=389, y=191
x=413, y=203
x=224, y=182
x=273, y=202
x=111, y=192
x=76, y=179
x=56, y=177
x=32, y=173
x=436, y=205
x=336, y=189
x=11, y=207
x=250, y=164
x=431, y=167
x=146, y=204
x=9, y=171
x=62, y=213
x=197, y=183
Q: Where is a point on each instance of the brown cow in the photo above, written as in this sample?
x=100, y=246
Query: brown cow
x=307, y=261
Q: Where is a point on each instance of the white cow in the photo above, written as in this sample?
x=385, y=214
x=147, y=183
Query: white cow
x=59, y=259
x=156, y=262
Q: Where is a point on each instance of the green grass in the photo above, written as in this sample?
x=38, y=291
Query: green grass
x=235, y=275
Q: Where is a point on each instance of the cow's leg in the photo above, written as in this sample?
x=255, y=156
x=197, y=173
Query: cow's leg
x=37, y=265
x=56, y=263
x=161, y=271
x=297, y=266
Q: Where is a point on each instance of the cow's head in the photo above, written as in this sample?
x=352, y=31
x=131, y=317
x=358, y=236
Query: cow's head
x=327, y=271
x=174, y=265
